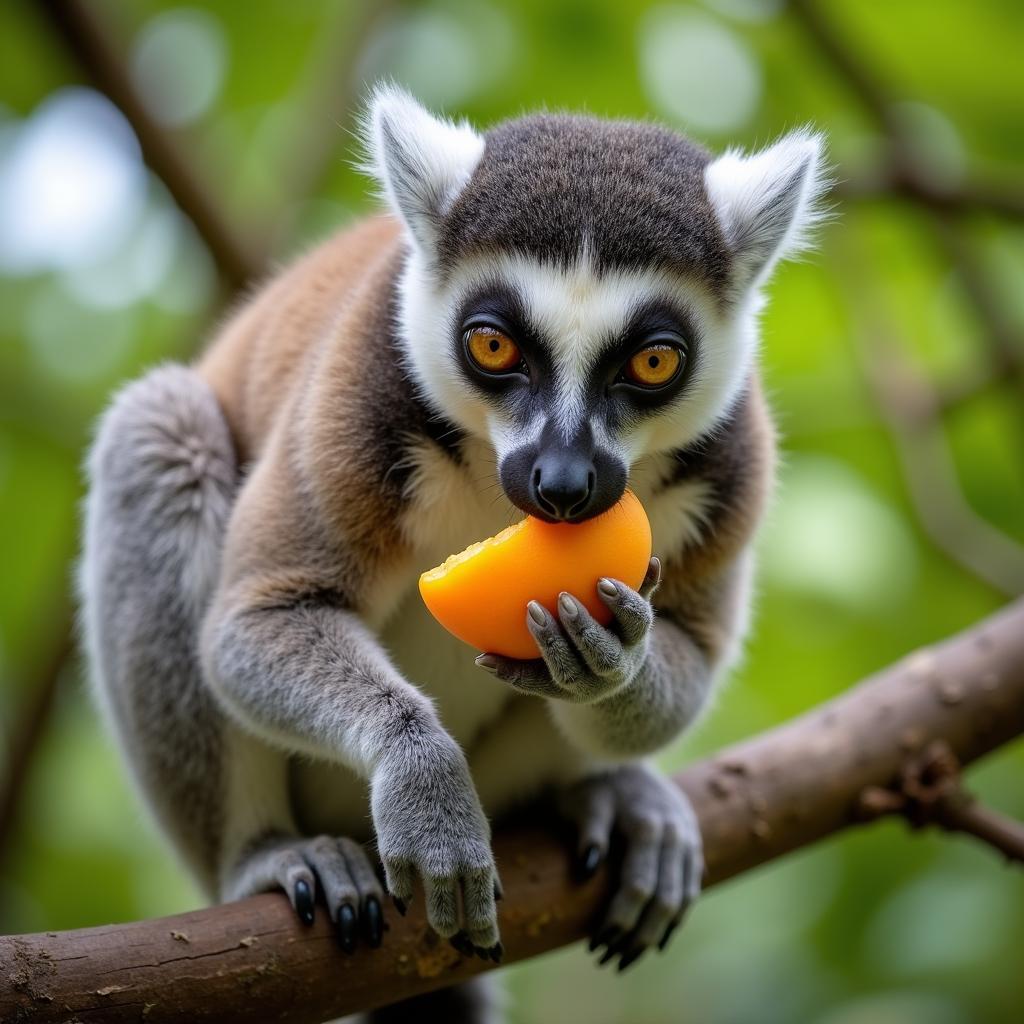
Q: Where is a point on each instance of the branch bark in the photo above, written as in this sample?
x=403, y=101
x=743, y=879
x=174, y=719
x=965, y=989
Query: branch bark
x=756, y=801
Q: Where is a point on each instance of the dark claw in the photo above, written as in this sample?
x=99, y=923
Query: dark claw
x=611, y=952
x=498, y=894
x=481, y=952
x=304, y=901
x=400, y=905
x=347, y=925
x=460, y=942
x=668, y=934
x=606, y=937
x=588, y=862
x=496, y=953
x=373, y=922
x=630, y=956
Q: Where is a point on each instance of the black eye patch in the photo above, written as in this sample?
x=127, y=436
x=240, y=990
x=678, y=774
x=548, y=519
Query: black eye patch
x=657, y=321
x=497, y=305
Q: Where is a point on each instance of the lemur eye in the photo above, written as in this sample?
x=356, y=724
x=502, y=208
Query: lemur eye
x=492, y=351
x=654, y=366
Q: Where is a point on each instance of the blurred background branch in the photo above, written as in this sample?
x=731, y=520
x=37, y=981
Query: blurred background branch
x=87, y=31
x=908, y=403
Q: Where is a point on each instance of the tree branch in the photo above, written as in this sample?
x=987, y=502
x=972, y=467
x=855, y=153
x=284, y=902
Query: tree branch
x=909, y=407
x=756, y=801
x=930, y=793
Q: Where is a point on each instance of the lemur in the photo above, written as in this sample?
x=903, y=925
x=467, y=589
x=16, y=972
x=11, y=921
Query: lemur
x=549, y=311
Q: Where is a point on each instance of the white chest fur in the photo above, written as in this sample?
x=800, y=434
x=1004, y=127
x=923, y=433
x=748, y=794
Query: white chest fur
x=452, y=506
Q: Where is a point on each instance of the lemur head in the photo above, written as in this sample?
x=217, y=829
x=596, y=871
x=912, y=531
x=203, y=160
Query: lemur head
x=582, y=292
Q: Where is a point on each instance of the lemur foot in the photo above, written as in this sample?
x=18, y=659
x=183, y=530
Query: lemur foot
x=338, y=868
x=430, y=826
x=663, y=862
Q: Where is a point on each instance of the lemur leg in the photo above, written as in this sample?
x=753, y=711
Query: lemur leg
x=339, y=869
x=262, y=849
x=663, y=861
x=162, y=482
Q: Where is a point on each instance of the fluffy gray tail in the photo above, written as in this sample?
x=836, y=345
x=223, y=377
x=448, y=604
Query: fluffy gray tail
x=162, y=478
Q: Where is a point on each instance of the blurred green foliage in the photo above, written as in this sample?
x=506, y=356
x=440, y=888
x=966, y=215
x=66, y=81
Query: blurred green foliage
x=873, y=927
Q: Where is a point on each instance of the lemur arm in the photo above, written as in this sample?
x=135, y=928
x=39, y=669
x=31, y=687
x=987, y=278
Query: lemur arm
x=290, y=658
x=284, y=648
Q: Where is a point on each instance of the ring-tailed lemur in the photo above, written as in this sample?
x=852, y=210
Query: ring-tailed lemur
x=552, y=309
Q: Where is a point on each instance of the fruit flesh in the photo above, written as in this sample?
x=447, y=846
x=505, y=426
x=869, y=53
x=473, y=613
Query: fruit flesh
x=480, y=594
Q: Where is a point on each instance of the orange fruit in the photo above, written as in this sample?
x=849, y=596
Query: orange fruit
x=480, y=595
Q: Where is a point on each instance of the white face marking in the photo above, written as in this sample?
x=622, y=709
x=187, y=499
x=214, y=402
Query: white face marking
x=579, y=312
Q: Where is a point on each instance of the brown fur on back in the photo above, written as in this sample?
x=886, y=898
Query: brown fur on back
x=255, y=362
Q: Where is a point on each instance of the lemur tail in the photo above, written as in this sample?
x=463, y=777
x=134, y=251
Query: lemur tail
x=162, y=478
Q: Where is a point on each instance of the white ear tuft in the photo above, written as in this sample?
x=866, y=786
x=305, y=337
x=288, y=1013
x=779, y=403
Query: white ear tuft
x=421, y=161
x=767, y=202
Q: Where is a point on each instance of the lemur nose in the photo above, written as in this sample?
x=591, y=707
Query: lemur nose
x=563, y=483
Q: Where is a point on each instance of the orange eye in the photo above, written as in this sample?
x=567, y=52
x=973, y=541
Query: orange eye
x=653, y=366
x=493, y=351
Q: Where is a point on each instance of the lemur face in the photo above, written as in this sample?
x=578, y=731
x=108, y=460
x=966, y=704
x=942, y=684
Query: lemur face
x=582, y=292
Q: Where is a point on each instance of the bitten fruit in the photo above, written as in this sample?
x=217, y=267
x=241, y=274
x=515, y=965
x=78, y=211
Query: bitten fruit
x=480, y=595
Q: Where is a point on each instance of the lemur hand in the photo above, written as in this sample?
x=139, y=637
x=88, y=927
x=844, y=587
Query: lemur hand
x=582, y=661
x=429, y=822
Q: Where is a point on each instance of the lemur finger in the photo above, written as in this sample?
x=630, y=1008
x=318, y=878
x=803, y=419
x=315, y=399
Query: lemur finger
x=693, y=874
x=442, y=904
x=371, y=916
x=531, y=677
x=590, y=805
x=637, y=882
x=633, y=612
x=298, y=882
x=651, y=580
x=480, y=915
x=667, y=902
x=399, y=877
x=324, y=856
x=563, y=663
x=693, y=870
x=599, y=648
x=277, y=865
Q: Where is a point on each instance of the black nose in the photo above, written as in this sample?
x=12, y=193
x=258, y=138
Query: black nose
x=563, y=483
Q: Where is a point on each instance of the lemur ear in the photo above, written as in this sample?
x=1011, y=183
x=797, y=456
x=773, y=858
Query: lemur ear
x=421, y=161
x=768, y=201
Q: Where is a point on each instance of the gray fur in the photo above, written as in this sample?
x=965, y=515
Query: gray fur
x=550, y=184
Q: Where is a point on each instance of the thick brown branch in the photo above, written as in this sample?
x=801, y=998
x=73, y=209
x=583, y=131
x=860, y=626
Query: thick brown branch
x=89, y=42
x=756, y=801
